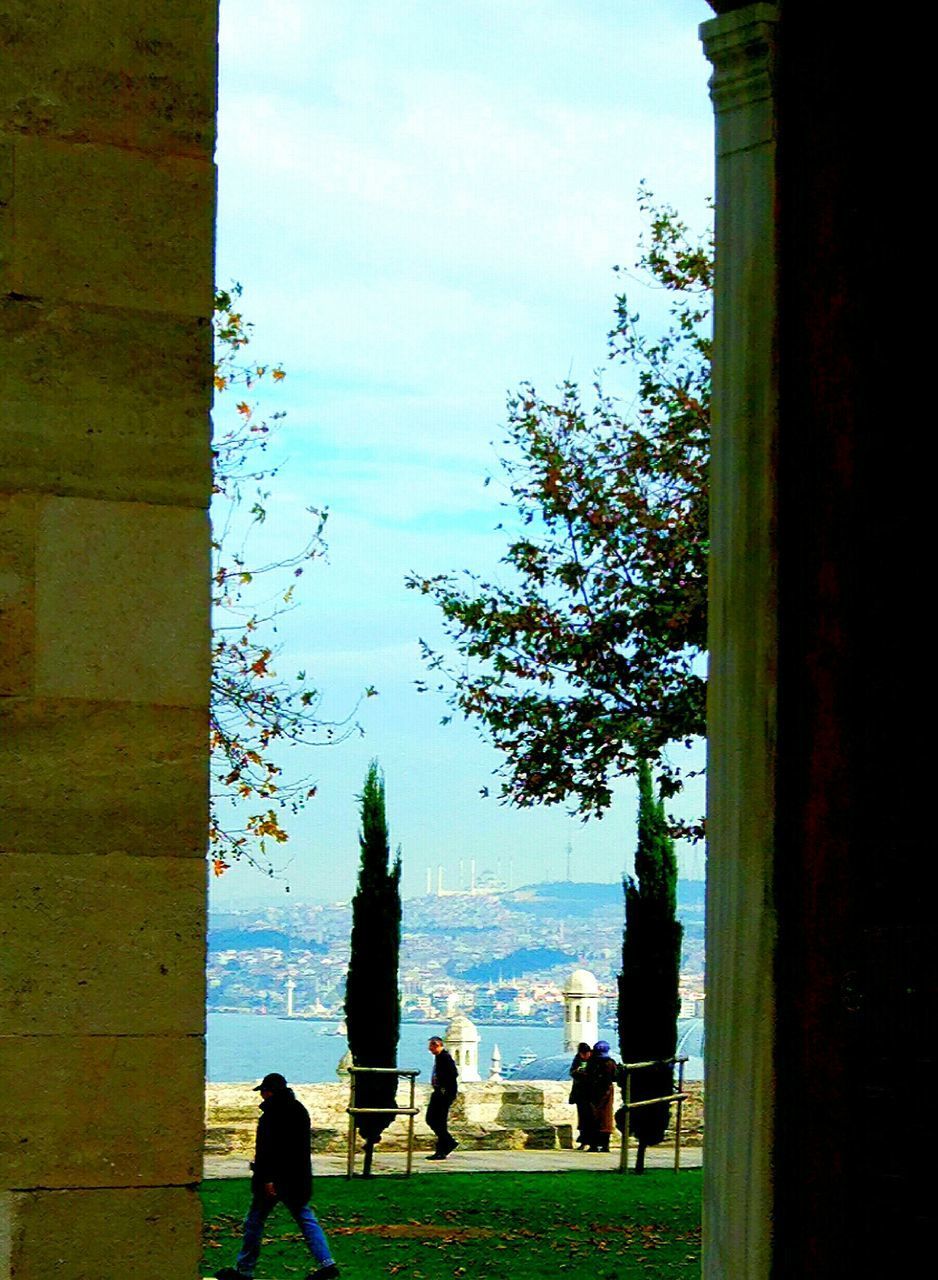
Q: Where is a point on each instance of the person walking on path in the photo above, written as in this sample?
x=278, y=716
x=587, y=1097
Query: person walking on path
x=282, y=1170
x=601, y=1079
x=443, y=1093
x=579, y=1096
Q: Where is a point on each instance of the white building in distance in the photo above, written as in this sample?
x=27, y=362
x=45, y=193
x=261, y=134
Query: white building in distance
x=462, y=1041
x=581, y=1010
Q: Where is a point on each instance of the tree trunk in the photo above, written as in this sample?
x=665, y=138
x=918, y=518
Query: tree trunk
x=640, y=1158
x=369, y=1152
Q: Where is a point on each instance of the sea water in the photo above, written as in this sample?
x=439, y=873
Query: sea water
x=245, y=1046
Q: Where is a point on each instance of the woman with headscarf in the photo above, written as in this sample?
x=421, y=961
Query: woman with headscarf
x=579, y=1095
x=601, y=1079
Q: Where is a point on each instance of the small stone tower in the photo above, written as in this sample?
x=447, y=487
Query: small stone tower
x=462, y=1041
x=581, y=1010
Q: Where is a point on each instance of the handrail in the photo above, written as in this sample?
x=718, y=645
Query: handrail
x=409, y=1073
x=680, y=1097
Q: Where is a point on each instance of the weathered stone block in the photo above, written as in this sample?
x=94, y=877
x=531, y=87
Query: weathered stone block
x=102, y=1111
x=139, y=75
x=92, y=777
x=122, y=602
x=542, y=1138
x=104, y=403
x=17, y=597
x=328, y=1140
x=105, y=1235
x=564, y=1134
x=494, y=1138
x=79, y=238
x=108, y=943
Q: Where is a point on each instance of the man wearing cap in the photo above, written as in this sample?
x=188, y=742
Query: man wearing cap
x=282, y=1171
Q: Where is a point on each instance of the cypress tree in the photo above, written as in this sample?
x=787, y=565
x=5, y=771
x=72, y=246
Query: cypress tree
x=372, y=999
x=649, y=1002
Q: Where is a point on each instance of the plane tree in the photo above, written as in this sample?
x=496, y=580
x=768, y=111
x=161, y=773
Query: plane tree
x=583, y=655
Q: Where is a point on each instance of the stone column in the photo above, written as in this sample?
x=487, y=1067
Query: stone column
x=106, y=234
x=742, y=640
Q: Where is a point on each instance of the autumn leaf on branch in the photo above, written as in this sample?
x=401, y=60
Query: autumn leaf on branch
x=255, y=714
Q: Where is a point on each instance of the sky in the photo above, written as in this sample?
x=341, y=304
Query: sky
x=423, y=203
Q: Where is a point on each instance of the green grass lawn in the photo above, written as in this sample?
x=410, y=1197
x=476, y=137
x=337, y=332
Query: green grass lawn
x=527, y=1226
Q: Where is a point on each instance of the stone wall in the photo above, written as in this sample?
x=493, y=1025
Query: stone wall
x=497, y=1117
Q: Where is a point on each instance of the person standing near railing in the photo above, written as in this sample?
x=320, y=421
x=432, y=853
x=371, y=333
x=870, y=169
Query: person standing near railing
x=579, y=1096
x=601, y=1079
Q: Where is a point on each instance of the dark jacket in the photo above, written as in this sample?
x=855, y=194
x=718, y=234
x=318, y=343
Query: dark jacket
x=579, y=1089
x=444, y=1075
x=281, y=1150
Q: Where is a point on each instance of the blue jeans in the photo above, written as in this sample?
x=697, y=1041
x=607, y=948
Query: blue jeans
x=305, y=1219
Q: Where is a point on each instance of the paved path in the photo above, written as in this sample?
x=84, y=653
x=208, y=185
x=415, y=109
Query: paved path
x=331, y=1166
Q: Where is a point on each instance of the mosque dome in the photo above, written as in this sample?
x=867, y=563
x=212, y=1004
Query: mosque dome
x=555, y=1066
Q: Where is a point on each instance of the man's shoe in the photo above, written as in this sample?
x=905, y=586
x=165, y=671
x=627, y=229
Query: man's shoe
x=437, y=1155
x=453, y=1144
x=324, y=1273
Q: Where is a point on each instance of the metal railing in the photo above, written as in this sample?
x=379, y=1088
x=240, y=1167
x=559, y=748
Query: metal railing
x=679, y=1097
x=410, y=1073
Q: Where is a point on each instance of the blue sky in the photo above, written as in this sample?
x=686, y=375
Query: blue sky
x=424, y=203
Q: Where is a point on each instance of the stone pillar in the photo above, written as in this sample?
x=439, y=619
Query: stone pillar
x=741, y=713
x=106, y=234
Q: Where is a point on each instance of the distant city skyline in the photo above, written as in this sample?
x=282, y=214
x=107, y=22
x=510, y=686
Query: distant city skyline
x=424, y=205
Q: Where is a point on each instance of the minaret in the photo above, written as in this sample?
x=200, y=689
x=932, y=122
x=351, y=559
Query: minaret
x=291, y=987
x=581, y=1010
x=495, y=1072
x=429, y=881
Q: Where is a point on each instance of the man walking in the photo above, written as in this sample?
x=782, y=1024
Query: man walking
x=282, y=1171
x=443, y=1085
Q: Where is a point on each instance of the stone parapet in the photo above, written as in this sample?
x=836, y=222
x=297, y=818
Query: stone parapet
x=485, y=1116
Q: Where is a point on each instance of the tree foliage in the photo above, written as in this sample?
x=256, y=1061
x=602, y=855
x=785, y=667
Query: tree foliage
x=255, y=713
x=372, y=998
x=586, y=658
x=649, y=1001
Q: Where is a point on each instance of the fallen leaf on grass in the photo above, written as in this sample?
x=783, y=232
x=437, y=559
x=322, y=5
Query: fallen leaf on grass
x=427, y=1231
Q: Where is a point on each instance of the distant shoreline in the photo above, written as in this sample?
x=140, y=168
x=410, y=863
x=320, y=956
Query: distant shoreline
x=508, y=1021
